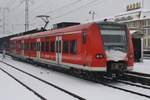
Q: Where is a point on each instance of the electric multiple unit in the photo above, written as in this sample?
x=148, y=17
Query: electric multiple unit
x=93, y=47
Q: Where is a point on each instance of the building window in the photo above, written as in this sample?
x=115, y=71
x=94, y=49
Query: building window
x=149, y=22
x=148, y=43
x=134, y=24
x=144, y=22
x=65, y=47
x=73, y=46
x=148, y=31
x=144, y=43
x=144, y=31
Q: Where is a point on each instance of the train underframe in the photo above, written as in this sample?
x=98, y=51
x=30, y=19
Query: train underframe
x=114, y=69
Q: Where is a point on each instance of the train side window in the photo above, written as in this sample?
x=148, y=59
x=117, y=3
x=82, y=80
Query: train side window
x=52, y=46
x=34, y=46
x=25, y=46
x=22, y=46
x=42, y=46
x=39, y=46
x=84, y=37
x=30, y=46
x=47, y=46
x=73, y=46
x=65, y=46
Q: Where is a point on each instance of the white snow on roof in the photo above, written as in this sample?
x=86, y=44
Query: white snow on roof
x=133, y=11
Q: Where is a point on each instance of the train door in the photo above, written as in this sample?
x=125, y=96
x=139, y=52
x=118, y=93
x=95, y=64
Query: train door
x=58, y=49
x=84, y=50
x=38, y=49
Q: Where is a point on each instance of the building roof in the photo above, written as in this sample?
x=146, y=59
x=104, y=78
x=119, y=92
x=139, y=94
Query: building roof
x=134, y=15
x=133, y=11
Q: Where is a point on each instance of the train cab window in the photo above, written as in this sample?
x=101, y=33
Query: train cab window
x=65, y=46
x=73, y=46
x=52, y=46
x=84, y=37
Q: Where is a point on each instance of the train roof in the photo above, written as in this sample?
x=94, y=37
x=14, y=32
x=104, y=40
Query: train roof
x=56, y=31
x=60, y=31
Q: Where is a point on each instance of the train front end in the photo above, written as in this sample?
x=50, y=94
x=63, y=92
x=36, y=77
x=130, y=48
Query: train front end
x=118, y=47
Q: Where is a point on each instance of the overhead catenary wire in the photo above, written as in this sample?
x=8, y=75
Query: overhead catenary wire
x=71, y=11
x=62, y=7
x=65, y=6
x=17, y=6
x=76, y=9
x=10, y=3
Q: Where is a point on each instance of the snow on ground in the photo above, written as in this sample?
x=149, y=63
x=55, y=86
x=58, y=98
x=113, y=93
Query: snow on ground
x=143, y=67
x=43, y=89
x=11, y=90
x=86, y=89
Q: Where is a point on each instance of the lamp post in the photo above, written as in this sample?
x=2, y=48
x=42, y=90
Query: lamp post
x=92, y=13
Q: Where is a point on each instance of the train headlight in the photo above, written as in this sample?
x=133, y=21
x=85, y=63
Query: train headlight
x=131, y=56
x=99, y=56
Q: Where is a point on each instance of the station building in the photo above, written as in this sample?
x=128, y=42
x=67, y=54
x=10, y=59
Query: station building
x=138, y=20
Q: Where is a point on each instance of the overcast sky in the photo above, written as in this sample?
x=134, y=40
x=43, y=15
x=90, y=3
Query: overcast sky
x=59, y=11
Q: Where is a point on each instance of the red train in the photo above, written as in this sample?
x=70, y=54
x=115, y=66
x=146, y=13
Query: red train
x=92, y=47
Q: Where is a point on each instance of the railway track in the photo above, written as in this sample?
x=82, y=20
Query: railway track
x=137, y=77
x=105, y=82
x=30, y=89
x=33, y=76
x=113, y=84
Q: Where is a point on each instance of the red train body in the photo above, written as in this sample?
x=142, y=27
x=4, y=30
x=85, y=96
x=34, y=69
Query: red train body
x=94, y=47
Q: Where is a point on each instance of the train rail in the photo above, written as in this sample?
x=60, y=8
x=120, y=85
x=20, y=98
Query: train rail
x=48, y=83
x=137, y=77
x=126, y=90
x=30, y=89
x=111, y=83
x=106, y=82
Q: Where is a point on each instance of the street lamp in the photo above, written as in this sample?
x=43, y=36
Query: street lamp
x=92, y=13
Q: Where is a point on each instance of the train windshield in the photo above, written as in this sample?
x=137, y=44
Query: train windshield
x=114, y=36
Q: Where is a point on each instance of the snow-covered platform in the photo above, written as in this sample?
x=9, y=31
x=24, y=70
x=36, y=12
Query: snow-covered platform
x=143, y=67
